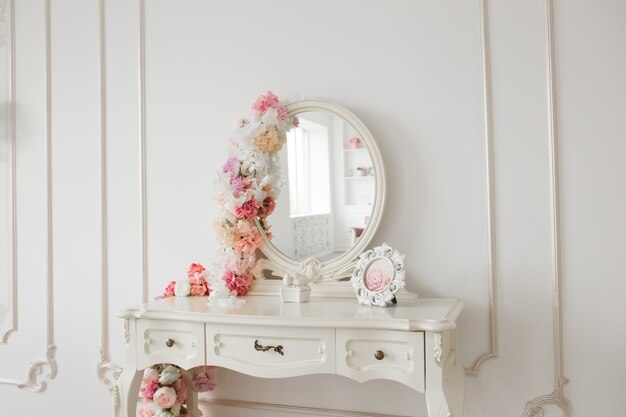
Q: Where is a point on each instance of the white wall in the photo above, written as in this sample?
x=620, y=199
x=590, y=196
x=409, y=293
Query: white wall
x=413, y=72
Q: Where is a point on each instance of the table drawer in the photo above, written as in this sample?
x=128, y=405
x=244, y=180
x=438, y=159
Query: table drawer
x=382, y=354
x=177, y=342
x=271, y=352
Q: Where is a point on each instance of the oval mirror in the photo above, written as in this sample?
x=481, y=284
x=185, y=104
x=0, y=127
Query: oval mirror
x=332, y=196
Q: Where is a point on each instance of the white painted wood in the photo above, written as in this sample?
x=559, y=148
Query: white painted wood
x=402, y=356
x=186, y=340
x=269, y=339
x=304, y=350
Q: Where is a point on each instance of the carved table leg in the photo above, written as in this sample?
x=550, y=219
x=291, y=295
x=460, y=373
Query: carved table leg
x=192, y=396
x=129, y=381
x=128, y=389
x=444, y=376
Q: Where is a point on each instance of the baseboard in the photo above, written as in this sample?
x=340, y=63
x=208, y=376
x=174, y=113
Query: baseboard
x=288, y=409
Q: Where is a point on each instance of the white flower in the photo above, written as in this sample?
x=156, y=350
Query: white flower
x=175, y=409
x=164, y=413
x=182, y=288
x=169, y=375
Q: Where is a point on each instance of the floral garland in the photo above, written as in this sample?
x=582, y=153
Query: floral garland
x=248, y=185
x=165, y=392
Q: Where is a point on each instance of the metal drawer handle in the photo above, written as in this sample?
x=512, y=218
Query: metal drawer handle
x=259, y=347
x=169, y=342
x=379, y=355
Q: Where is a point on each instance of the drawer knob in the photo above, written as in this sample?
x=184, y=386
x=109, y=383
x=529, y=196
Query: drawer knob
x=379, y=355
x=169, y=342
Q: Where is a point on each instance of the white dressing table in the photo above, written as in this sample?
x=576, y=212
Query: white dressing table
x=413, y=343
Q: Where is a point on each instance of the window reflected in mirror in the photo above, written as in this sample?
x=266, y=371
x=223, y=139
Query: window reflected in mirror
x=328, y=188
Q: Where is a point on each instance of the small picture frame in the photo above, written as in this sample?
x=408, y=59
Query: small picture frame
x=378, y=276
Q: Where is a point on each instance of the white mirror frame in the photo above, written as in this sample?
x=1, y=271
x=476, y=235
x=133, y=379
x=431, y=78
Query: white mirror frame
x=343, y=265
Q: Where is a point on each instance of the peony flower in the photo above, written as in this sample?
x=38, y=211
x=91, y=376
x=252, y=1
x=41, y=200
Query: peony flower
x=270, y=141
x=169, y=290
x=165, y=397
x=205, y=380
x=181, y=391
x=247, y=210
x=199, y=287
x=149, y=388
x=265, y=102
x=195, y=269
x=169, y=375
x=182, y=288
x=241, y=284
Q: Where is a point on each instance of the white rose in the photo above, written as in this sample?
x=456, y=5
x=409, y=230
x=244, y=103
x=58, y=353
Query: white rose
x=182, y=288
x=169, y=375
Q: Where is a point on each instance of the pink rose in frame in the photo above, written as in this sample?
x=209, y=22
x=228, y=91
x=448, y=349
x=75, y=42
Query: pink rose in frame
x=376, y=279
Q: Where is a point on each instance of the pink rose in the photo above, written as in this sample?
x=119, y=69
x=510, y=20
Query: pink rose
x=181, y=391
x=165, y=397
x=146, y=411
x=149, y=388
x=265, y=102
x=247, y=210
x=195, y=269
x=204, y=381
x=169, y=290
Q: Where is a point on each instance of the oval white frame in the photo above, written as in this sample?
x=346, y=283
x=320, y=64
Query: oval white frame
x=342, y=266
x=387, y=295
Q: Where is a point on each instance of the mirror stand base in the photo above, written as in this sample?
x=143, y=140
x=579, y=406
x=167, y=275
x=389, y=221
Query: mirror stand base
x=295, y=294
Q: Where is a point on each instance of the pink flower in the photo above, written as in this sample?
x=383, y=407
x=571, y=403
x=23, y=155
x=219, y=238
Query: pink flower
x=239, y=283
x=146, y=411
x=195, y=269
x=169, y=290
x=238, y=185
x=181, y=391
x=149, y=388
x=376, y=280
x=265, y=102
x=267, y=208
x=282, y=114
x=165, y=397
x=199, y=287
x=231, y=167
x=296, y=121
x=247, y=210
x=205, y=380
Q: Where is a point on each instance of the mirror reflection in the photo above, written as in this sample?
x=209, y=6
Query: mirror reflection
x=328, y=188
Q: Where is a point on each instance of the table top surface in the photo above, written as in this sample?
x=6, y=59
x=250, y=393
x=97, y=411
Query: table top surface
x=422, y=314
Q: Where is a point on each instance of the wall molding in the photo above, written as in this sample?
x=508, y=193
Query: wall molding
x=107, y=371
x=492, y=353
x=45, y=368
x=288, y=409
x=534, y=408
x=142, y=150
x=4, y=338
